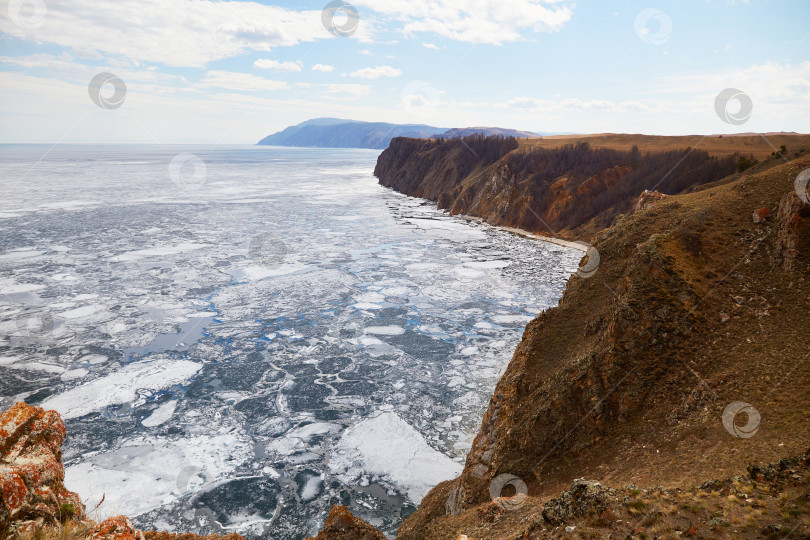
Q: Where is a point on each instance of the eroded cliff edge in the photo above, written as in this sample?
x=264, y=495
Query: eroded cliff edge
x=570, y=192
x=696, y=305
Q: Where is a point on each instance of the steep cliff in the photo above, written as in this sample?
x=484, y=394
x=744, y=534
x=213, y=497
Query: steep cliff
x=571, y=191
x=694, y=314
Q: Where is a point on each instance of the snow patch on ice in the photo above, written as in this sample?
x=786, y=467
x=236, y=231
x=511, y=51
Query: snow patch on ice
x=158, y=470
x=387, y=446
x=161, y=415
x=84, y=311
x=385, y=330
x=157, y=252
x=122, y=386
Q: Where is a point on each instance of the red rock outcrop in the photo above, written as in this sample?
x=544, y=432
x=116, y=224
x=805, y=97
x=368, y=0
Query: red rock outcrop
x=648, y=199
x=761, y=215
x=115, y=528
x=342, y=525
x=33, y=496
x=32, y=490
x=793, y=219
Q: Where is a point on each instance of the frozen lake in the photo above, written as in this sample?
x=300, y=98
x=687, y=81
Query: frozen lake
x=245, y=340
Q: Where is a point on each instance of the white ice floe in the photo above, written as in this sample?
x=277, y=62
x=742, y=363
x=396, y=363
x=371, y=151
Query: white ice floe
x=366, y=306
x=84, y=311
x=486, y=265
x=93, y=359
x=74, y=374
x=157, y=252
x=255, y=272
x=388, y=447
x=122, y=386
x=39, y=366
x=157, y=469
x=161, y=415
x=9, y=287
x=512, y=319
x=469, y=272
x=385, y=330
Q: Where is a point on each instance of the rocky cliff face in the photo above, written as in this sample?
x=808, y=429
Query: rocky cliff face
x=694, y=308
x=31, y=471
x=569, y=192
x=34, y=502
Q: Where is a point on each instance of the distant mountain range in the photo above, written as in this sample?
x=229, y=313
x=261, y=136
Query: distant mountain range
x=487, y=131
x=339, y=133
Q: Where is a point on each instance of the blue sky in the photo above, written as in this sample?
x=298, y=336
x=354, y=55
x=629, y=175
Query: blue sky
x=200, y=71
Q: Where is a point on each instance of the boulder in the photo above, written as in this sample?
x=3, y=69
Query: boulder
x=342, y=525
x=32, y=491
x=648, y=199
x=761, y=215
x=115, y=528
x=585, y=498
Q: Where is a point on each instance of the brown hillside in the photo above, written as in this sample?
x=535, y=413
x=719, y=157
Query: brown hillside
x=570, y=191
x=693, y=307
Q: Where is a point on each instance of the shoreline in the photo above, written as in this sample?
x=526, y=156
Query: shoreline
x=526, y=234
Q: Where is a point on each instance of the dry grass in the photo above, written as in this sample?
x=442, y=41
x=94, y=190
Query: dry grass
x=69, y=531
x=757, y=145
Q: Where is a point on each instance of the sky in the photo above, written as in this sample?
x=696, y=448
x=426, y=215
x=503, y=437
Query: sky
x=204, y=71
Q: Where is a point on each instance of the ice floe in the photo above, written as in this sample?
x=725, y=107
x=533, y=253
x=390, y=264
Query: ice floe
x=122, y=386
x=387, y=446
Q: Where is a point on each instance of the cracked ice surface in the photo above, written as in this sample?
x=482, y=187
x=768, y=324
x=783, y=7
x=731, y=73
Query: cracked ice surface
x=246, y=353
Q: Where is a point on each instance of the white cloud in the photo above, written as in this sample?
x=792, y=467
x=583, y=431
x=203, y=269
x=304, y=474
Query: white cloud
x=365, y=52
x=323, y=67
x=685, y=103
x=183, y=33
x=240, y=81
x=339, y=91
x=430, y=46
x=193, y=33
x=482, y=21
x=275, y=65
x=376, y=72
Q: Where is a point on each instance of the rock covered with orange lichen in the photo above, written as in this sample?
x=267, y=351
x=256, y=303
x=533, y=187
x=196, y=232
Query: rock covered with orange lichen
x=342, y=525
x=32, y=492
x=33, y=496
x=115, y=528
